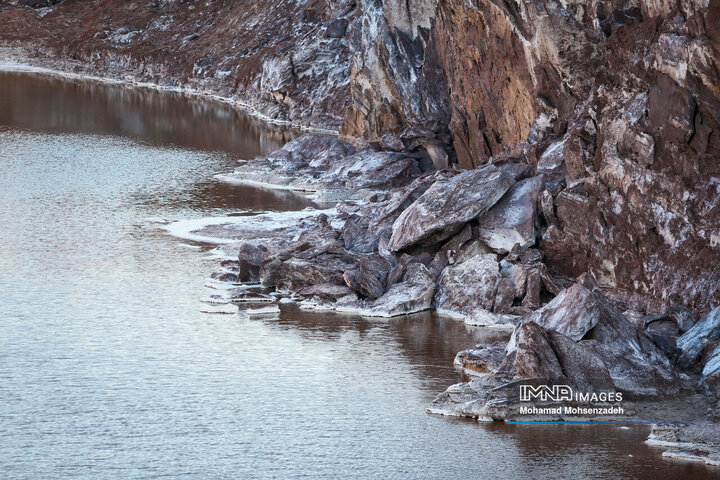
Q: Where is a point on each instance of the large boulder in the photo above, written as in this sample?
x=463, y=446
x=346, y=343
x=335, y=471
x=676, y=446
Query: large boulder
x=547, y=354
x=447, y=205
x=512, y=220
x=468, y=290
x=583, y=313
x=370, y=222
x=370, y=276
x=413, y=294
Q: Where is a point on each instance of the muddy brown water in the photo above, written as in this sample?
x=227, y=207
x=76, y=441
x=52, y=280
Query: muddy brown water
x=108, y=368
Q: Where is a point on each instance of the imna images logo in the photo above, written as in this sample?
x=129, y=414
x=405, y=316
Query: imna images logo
x=544, y=393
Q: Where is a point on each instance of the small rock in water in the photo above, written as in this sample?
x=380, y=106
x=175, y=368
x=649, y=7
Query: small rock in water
x=269, y=310
x=215, y=300
x=220, y=309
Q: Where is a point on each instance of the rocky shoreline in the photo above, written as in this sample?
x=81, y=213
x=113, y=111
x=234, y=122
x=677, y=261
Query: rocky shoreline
x=408, y=237
x=543, y=167
x=13, y=59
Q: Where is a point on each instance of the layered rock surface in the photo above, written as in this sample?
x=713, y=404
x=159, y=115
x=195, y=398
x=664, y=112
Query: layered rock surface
x=616, y=102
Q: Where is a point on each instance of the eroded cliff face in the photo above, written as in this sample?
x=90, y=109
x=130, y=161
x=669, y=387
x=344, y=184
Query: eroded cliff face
x=616, y=103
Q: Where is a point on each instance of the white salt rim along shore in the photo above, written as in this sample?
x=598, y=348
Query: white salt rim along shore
x=15, y=66
x=185, y=229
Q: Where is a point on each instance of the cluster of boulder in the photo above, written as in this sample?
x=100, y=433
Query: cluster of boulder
x=464, y=242
x=408, y=237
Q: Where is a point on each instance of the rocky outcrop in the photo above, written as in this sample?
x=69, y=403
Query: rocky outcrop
x=290, y=60
x=580, y=340
x=614, y=103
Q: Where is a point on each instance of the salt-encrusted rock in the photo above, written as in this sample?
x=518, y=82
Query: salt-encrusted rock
x=468, y=286
x=637, y=376
x=325, y=291
x=532, y=354
x=573, y=312
x=512, y=220
x=413, y=294
x=698, y=442
x=516, y=274
x=664, y=329
x=318, y=163
x=366, y=225
x=541, y=353
x=481, y=359
x=447, y=205
x=533, y=285
x=224, y=277
x=296, y=273
x=504, y=297
x=581, y=313
x=369, y=278
x=712, y=365
x=368, y=169
x=465, y=399
x=692, y=342
x=277, y=75
x=313, y=257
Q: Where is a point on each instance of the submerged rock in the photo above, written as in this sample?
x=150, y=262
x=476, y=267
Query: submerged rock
x=699, y=442
x=481, y=359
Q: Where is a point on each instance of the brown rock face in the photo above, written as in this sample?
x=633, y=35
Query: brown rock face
x=615, y=103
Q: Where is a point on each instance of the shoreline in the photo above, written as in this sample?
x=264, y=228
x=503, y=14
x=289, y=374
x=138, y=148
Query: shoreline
x=13, y=60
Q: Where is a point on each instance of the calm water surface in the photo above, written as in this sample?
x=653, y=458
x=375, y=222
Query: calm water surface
x=108, y=369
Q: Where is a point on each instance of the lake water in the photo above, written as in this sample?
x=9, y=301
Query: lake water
x=109, y=369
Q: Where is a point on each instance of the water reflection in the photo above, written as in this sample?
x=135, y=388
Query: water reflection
x=219, y=198
x=53, y=105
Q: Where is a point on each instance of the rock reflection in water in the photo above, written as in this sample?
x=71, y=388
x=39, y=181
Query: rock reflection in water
x=54, y=105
